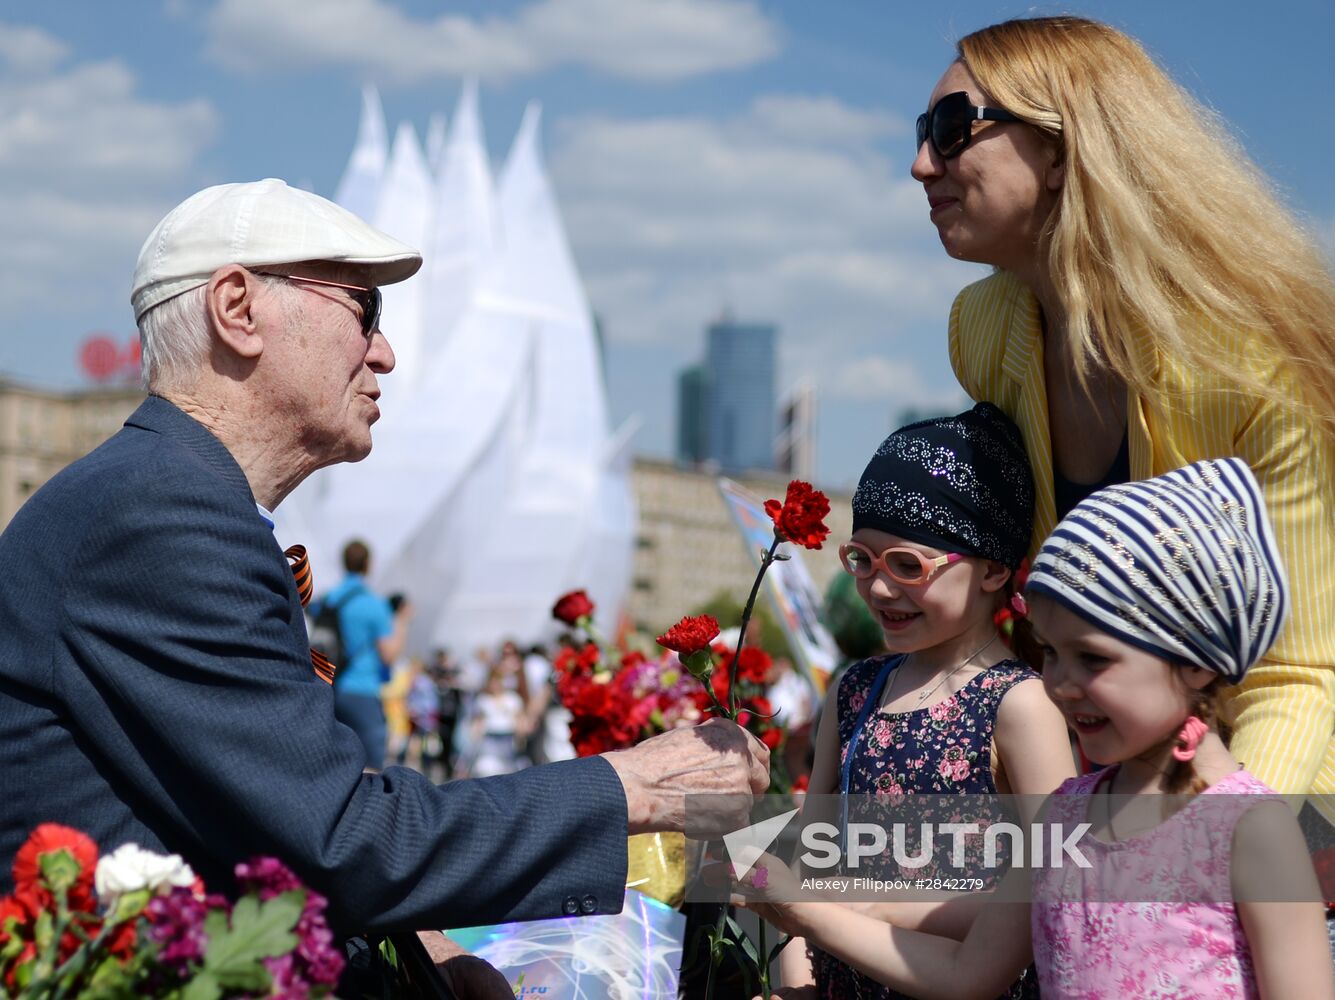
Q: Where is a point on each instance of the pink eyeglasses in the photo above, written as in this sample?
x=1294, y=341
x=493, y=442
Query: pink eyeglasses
x=900, y=563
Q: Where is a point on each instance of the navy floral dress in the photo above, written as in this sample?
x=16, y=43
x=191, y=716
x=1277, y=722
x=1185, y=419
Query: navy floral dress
x=945, y=748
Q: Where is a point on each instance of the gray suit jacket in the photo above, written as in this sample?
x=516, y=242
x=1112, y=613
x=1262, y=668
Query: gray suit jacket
x=156, y=687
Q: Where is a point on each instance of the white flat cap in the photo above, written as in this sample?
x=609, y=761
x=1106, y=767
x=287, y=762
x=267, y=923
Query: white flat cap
x=256, y=224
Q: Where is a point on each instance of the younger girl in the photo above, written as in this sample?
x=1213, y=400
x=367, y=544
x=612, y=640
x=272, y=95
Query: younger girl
x=1146, y=599
x=941, y=519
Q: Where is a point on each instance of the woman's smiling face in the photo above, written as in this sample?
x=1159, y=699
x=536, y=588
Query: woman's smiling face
x=990, y=203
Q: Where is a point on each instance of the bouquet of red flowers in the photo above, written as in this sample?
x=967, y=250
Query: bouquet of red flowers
x=616, y=697
x=138, y=924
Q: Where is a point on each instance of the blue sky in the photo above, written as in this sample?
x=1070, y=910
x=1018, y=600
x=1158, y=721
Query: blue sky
x=706, y=153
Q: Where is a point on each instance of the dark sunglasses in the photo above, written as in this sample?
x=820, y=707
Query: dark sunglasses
x=367, y=299
x=949, y=124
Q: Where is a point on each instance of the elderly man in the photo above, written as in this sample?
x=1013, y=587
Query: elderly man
x=155, y=678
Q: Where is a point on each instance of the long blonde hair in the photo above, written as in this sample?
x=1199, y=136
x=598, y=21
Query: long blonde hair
x=1162, y=219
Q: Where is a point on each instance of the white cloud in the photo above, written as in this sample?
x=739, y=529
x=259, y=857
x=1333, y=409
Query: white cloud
x=25, y=50
x=699, y=185
x=672, y=218
x=824, y=119
x=86, y=165
x=796, y=211
x=644, y=40
x=882, y=379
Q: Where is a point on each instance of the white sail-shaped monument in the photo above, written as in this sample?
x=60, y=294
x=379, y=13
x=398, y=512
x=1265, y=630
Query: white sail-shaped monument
x=494, y=484
x=359, y=188
x=406, y=189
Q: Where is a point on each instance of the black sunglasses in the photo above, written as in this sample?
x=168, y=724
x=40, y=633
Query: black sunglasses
x=950, y=124
x=367, y=299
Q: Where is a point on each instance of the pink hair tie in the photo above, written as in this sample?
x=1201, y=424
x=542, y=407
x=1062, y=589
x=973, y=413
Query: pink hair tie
x=1193, y=730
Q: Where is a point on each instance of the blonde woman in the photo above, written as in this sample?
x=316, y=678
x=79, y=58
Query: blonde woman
x=1154, y=304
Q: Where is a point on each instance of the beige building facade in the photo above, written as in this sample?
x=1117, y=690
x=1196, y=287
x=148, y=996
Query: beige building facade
x=688, y=548
x=42, y=431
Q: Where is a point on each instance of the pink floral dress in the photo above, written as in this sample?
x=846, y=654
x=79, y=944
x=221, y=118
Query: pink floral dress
x=1146, y=948
x=945, y=748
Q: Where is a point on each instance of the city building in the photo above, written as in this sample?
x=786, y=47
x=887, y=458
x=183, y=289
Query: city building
x=692, y=414
x=795, y=447
x=688, y=548
x=42, y=431
x=739, y=359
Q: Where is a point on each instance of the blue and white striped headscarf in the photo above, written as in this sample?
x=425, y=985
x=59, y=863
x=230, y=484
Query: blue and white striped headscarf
x=1183, y=566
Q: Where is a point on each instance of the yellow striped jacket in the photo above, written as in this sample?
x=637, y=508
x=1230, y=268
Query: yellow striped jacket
x=1283, y=714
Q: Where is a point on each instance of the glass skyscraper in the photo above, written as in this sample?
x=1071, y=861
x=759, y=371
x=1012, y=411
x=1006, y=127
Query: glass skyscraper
x=692, y=412
x=739, y=424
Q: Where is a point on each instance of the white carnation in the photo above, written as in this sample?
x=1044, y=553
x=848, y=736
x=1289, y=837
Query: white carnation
x=130, y=868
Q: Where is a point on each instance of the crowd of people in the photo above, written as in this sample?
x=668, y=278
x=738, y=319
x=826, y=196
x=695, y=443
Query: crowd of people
x=491, y=713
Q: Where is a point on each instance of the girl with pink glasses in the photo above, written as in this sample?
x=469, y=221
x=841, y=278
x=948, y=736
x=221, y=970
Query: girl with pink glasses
x=941, y=520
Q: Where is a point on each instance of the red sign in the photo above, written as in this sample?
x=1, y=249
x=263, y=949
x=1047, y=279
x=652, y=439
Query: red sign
x=103, y=360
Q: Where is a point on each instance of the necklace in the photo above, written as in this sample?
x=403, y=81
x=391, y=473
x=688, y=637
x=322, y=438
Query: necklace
x=945, y=677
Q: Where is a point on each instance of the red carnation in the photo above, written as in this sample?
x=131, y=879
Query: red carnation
x=800, y=518
x=753, y=664
x=690, y=635
x=571, y=607
x=772, y=737
x=49, y=839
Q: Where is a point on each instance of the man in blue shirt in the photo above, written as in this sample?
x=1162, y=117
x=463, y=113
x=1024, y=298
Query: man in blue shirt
x=372, y=635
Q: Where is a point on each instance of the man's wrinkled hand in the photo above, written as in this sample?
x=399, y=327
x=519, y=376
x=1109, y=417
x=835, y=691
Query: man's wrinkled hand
x=464, y=974
x=718, y=760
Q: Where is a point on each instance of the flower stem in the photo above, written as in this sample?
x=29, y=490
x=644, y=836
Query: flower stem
x=586, y=624
x=77, y=963
x=764, y=963
x=715, y=951
x=765, y=562
x=47, y=969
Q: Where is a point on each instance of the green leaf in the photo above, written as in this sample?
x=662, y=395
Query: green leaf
x=215, y=924
x=113, y=981
x=202, y=987
x=259, y=930
x=783, y=943
x=743, y=942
